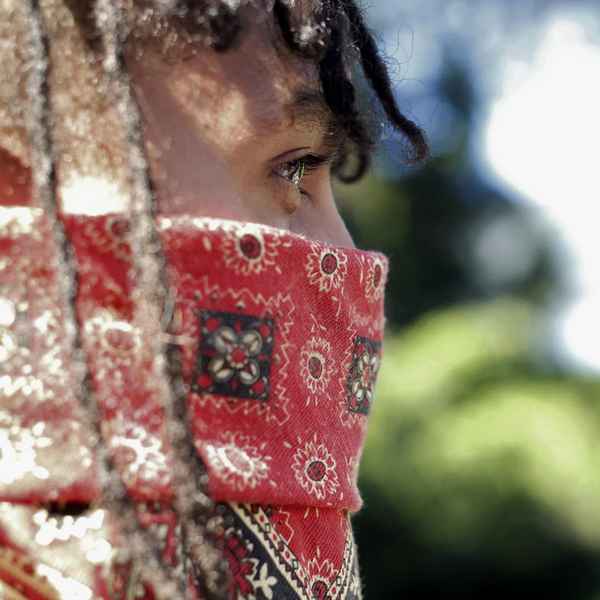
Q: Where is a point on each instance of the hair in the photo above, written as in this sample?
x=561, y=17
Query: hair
x=329, y=36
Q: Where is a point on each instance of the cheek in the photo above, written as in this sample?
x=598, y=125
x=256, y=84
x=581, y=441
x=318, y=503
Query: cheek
x=198, y=179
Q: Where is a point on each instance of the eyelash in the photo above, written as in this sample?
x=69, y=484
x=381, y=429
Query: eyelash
x=306, y=164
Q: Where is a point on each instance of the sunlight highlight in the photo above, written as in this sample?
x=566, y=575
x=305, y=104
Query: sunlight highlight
x=542, y=140
x=90, y=195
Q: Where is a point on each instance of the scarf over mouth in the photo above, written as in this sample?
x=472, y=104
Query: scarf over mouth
x=279, y=342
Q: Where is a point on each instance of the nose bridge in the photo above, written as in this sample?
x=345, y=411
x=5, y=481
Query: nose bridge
x=339, y=232
x=324, y=223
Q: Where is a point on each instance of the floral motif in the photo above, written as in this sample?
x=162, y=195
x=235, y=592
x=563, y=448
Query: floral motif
x=375, y=279
x=352, y=465
x=363, y=375
x=321, y=573
x=326, y=267
x=241, y=565
x=238, y=462
x=265, y=582
x=314, y=469
x=235, y=354
x=247, y=577
x=111, y=239
x=246, y=250
x=118, y=341
x=21, y=448
x=316, y=366
x=277, y=569
x=141, y=453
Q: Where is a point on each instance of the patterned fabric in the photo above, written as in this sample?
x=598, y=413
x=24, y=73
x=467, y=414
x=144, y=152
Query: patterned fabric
x=281, y=341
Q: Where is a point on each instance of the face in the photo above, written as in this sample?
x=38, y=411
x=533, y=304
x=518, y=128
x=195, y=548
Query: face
x=243, y=134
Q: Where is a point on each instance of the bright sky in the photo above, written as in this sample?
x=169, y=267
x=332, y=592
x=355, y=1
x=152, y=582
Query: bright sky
x=543, y=140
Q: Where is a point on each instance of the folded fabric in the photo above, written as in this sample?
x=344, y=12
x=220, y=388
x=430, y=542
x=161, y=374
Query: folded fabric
x=280, y=340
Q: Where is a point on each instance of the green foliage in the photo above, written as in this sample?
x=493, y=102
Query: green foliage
x=478, y=461
x=481, y=474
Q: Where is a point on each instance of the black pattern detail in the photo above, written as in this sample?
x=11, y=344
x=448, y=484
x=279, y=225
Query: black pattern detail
x=263, y=566
x=362, y=375
x=234, y=355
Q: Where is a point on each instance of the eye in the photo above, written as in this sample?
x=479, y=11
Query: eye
x=292, y=170
x=295, y=170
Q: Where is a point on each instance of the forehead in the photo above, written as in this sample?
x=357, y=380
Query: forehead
x=246, y=87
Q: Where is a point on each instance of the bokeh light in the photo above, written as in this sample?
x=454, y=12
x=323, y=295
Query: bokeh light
x=542, y=140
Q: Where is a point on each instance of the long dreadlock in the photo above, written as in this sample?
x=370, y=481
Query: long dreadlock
x=196, y=512
x=201, y=522
x=114, y=494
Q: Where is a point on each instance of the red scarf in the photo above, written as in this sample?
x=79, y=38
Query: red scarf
x=280, y=338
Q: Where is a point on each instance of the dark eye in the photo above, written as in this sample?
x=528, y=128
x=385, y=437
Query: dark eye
x=295, y=170
x=292, y=170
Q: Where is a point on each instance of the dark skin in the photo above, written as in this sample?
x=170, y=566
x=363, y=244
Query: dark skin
x=244, y=134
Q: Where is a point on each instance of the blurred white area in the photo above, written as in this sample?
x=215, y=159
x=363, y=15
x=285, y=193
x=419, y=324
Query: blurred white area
x=501, y=251
x=90, y=195
x=535, y=67
x=421, y=37
x=542, y=140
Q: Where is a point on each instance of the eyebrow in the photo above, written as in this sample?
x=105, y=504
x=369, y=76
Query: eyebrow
x=308, y=104
x=308, y=107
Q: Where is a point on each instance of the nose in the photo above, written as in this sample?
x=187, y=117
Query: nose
x=323, y=223
x=335, y=231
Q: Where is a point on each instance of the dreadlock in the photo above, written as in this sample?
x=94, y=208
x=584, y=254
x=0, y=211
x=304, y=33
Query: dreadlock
x=376, y=72
x=200, y=519
x=197, y=513
x=114, y=495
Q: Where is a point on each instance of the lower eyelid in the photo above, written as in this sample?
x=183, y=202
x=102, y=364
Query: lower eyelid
x=289, y=196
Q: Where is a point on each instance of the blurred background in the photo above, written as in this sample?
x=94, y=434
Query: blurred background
x=481, y=476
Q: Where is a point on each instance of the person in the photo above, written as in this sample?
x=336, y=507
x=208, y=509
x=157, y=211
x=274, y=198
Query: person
x=189, y=339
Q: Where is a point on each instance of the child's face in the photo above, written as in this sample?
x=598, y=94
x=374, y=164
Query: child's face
x=228, y=134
